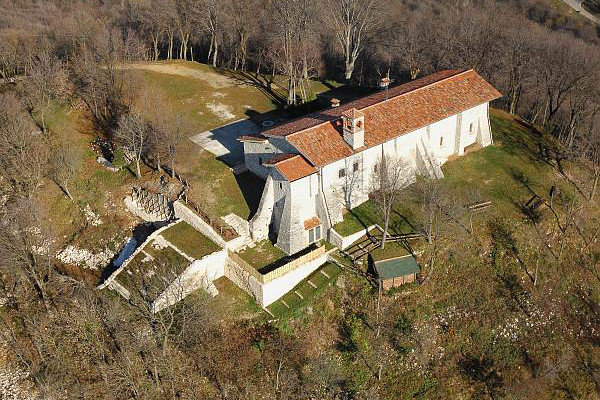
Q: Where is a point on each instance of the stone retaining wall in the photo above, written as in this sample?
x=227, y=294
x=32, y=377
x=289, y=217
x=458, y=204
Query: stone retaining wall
x=189, y=216
x=343, y=242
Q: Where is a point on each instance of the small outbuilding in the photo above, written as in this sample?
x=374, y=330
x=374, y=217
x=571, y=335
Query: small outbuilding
x=395, y=272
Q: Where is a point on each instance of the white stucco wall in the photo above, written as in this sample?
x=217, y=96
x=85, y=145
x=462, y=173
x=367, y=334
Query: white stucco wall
x=198, y=275
x=276, y=288
x=343, y=242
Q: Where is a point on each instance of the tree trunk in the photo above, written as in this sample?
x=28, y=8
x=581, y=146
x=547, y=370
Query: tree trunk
x=385, y=229
x=138, y=170
x=214, y=55
x=349, y=69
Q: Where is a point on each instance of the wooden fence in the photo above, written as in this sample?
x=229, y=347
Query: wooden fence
x=284, y=269
x=245, y=266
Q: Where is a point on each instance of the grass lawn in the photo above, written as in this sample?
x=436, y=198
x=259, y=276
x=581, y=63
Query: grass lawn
x=368, y=214
x=262, y=255
x=509, y=172
x=294, y=302
x=189, y=240
x=391, y=250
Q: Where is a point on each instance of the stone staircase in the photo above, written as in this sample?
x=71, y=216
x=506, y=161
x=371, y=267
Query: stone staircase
x=242, y=228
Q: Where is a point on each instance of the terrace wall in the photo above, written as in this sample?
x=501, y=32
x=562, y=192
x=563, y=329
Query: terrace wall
x=343, y=242
x=189, y=216
x=199, y=274
x=265, y=289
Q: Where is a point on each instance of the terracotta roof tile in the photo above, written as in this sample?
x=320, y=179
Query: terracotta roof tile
x=279, y=158
x=312, y=223
x=291, y=166
x=409, y=107
x=329, y=114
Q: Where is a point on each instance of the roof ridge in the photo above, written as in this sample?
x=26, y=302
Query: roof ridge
x=458, y=73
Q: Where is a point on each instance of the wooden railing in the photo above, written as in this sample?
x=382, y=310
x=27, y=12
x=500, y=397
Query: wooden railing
x=245, y=266
x=284, y=269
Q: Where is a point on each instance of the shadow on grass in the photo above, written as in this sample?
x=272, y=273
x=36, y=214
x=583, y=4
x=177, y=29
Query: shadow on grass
x=251, y=187
x=284, y=260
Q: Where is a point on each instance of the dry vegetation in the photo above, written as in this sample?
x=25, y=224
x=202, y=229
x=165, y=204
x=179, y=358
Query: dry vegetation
x=506, y=308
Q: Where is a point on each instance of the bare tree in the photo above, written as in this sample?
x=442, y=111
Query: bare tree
x=65, y=163
x=390, y=177
x=46, y=80
x=23, y=153
x=134, y=133
x=352, y=22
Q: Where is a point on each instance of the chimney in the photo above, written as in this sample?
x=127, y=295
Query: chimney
x=354, y=128
x=335, y=102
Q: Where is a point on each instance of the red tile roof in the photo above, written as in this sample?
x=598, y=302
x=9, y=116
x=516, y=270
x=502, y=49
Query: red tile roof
x=291, y=166
x=278, y=158
x=312, y=223
x=401, y=110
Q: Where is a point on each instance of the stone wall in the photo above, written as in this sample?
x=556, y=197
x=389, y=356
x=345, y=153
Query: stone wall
x=189, y=216
x=259, y=225
x=343, y=242
x=200, y=274
x=149, y=206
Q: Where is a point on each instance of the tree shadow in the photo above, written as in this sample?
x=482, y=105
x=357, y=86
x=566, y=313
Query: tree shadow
x=483, y=370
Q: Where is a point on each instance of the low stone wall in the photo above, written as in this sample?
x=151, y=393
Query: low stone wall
x=266, y=289
x=153, y=235
x=199, y=274
x=189, y=216
x=241, y=276
x=343, y=242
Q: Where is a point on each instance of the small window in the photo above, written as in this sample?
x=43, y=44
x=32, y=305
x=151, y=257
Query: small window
x=314, y=234
x=441, y=141
x=471, y=128
x=280, y=185
x=359, y=124
x=342, y=173
x=355, y=166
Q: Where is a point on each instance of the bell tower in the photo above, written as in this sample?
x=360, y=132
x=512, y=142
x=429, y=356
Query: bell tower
x=354, y=128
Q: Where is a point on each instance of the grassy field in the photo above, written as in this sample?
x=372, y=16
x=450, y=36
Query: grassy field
x=189, y=240
x=262, y=255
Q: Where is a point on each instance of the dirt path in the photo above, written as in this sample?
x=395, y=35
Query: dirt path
x=213, y=79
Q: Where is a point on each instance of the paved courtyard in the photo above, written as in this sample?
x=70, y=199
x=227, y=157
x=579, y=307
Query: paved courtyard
x=222, y=141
